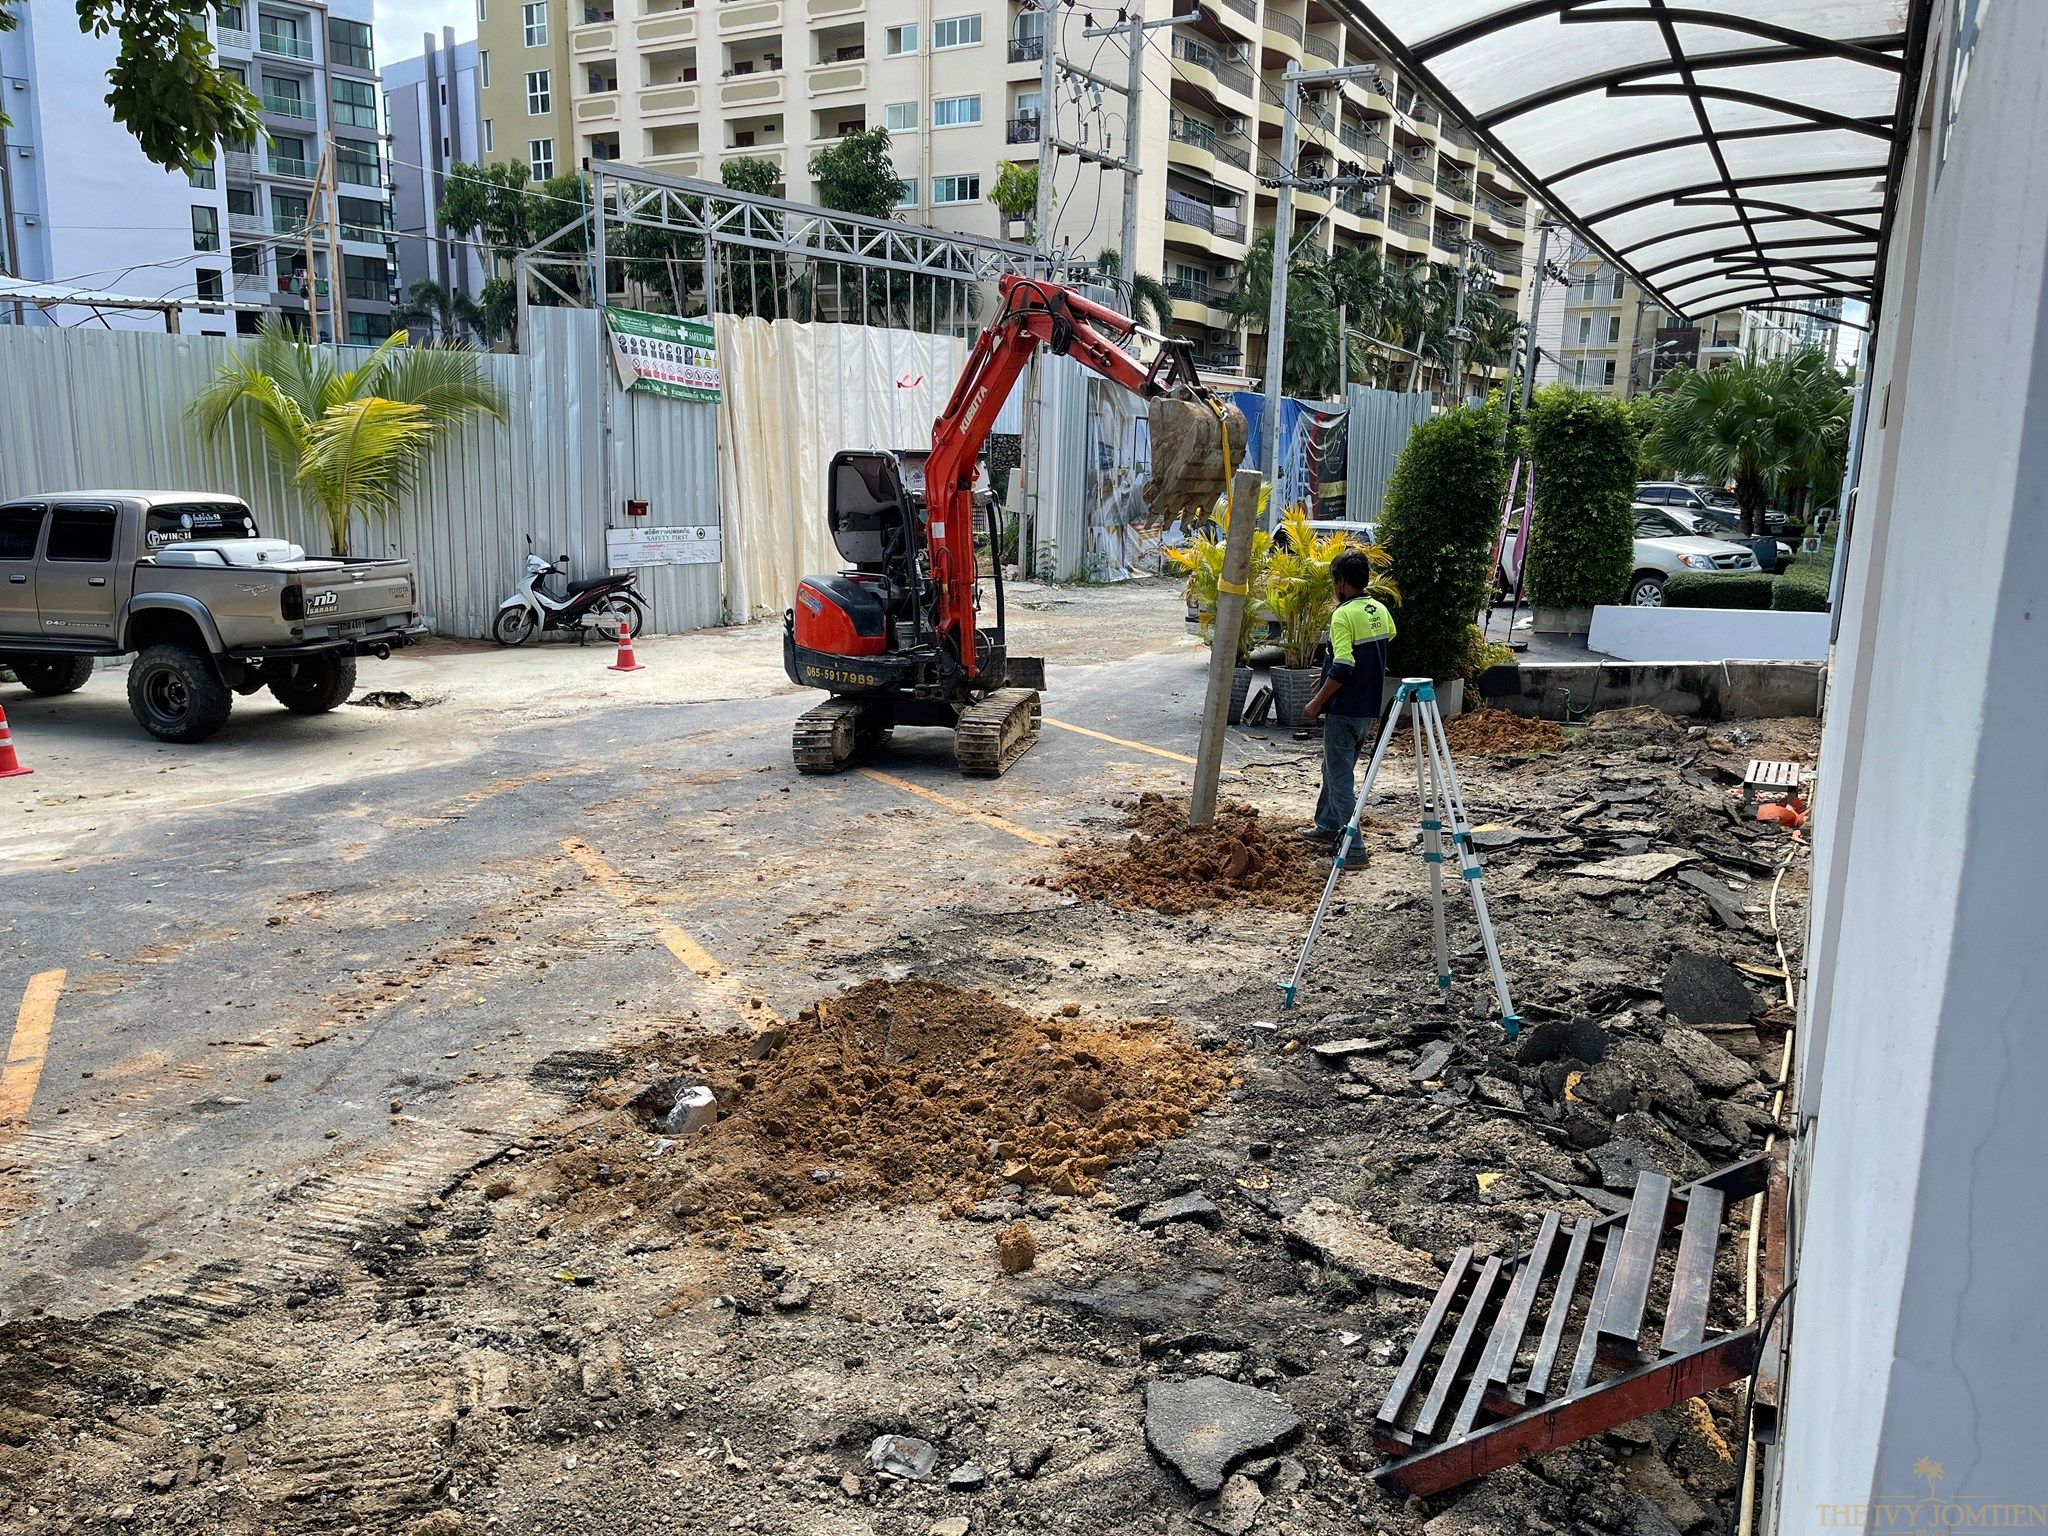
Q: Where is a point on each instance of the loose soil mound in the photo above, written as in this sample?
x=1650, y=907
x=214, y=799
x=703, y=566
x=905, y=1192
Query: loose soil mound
x=894, y=1092
x=1170, y=867
x=1493, y=732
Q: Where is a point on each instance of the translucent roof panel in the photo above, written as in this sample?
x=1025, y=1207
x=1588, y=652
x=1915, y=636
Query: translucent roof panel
x=1737, y=151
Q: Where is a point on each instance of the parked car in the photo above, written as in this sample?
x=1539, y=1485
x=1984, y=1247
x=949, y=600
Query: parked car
x=1661, y=554
x=1701, y=499
x=209, y=607
x=1683, y=522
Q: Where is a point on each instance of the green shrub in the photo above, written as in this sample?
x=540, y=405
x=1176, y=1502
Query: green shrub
x=1442, y=511
x=1482, y=654
x=1718, y=589
x=1803, y=588
x=1582, y=546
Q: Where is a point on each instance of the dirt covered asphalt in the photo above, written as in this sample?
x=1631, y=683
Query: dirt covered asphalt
x=348, y=1197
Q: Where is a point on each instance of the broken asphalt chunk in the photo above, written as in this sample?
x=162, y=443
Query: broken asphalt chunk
x=901, y=1456
x=1633, y=868
x=1205, y=1427
x=1194, y=1206
x=1705, y=989
x=1432, y=1061
x=1345, y=1240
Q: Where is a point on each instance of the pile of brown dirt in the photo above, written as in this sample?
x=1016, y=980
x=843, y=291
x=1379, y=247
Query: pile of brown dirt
x=1170, y=867
x=1494, y=732
x=892, y=1093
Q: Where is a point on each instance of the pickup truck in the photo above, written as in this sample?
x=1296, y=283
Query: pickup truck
x=209, y=607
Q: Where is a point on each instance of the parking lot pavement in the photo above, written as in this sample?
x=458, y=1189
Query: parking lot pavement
x=270, y=993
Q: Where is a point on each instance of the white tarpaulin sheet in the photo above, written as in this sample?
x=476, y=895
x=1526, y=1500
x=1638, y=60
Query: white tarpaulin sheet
x=795, y=394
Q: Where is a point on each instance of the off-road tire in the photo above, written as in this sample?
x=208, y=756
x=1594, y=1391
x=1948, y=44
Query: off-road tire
x=316, y=685
x=50, y=675
x=175, y=695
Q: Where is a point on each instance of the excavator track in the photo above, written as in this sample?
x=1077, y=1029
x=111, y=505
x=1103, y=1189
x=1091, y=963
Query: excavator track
x=828, y=736
x=994, y=732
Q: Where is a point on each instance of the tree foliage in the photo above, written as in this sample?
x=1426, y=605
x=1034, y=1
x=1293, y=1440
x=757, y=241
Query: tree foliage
x=1582, y=544
x=1772, y=426
x=1016, y=190
x=353, y=440
x=752, y=173
x=503, y=208
x=165, y=87
x=855, y=174
x=445, y=317
x=1441, y=518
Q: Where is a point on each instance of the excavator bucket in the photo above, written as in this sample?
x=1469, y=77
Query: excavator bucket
x=1195, y=446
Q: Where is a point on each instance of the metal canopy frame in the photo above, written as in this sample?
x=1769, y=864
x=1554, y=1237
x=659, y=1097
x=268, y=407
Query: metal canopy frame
x=1764, y=157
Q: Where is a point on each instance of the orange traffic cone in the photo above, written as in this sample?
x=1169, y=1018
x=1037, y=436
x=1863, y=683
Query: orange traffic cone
x=626, y=661
x=10, y=765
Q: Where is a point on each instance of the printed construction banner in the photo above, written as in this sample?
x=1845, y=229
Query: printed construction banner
x=663, y=354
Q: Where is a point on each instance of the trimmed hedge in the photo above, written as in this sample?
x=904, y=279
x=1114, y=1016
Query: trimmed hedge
x=1442, y=510
x=1582, y=546
x=1718, y=589
x=1803, y=588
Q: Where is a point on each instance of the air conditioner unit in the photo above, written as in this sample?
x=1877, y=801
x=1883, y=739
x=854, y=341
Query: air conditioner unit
x=1217, y=333
x=1233, y=127
x=1240, y=51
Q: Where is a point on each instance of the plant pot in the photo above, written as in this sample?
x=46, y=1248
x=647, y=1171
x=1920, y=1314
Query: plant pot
x=1561, y=621
x=1293, y=687
x=1240, y=685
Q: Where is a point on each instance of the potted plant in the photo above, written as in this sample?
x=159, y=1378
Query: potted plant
x=1301, y=594
x=1582, y=543
x=1202, y=558
x=1442, y=511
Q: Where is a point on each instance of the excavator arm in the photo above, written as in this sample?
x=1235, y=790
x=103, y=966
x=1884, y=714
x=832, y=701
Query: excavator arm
x=1039, y=313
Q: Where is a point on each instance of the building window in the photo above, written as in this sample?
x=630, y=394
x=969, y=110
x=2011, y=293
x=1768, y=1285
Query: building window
x=366, y=277
x=956, y=32
x=1607, y=373
x=1579, y=373
x=955, y=111
x=231, y=18
x=483, y=68
x=349, y=43
x=1619, y=279
x=209, y=285
x=205, y=228
x=1613, y=329
x=246, y=259
x=366, y=330
x=480, y=16
x=490, y=138
x=900, y=117
x=956, y=189
x=1585, y=329
x=355, y=104
x=200, y=176
x=540, y=95
x=534, y=17
x=901, y=39
x=906, y=194
x=363, y=218
x=540, y=158
x=356, y=163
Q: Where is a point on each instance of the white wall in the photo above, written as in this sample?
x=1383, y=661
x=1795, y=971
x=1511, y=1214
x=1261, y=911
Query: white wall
x=1708, y=634
x=1918, y=1326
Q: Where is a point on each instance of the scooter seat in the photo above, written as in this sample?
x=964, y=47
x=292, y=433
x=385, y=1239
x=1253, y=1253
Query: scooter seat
x=595, y=581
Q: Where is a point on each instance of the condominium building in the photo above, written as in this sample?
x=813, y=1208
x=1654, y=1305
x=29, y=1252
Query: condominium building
x=1603, y=332
x=677, y=86
x=431, y=105
x=83, y=207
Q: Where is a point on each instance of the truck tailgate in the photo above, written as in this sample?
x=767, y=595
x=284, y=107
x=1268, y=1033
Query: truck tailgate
x=368, y=590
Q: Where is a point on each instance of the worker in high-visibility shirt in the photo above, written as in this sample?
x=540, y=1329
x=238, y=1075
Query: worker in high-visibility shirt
x=1348, y=701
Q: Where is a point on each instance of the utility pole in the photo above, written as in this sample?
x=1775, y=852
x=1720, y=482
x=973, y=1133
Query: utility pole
x=1535, y=301
x=1041, y=220
x=1134, y=100
x=1459, y=335
x=1283, y=244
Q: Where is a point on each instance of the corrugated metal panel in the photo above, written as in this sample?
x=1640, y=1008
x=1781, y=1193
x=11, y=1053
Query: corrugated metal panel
x=107, y=408
x=1380, y=422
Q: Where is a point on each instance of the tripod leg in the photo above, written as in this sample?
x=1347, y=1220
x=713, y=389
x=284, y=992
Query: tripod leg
x=1292, y=986
x=1468, y=860
x=1429, y=793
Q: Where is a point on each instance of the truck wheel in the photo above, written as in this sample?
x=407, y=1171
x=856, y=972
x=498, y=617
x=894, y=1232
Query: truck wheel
x=1646, y=591
x=316, y=685
x=50, y=675
x=175, y=694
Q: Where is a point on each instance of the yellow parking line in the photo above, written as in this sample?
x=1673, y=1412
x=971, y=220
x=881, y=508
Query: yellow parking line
x=673, y=938
x=1135, y=746
x=988, y=818
x=26, y=1050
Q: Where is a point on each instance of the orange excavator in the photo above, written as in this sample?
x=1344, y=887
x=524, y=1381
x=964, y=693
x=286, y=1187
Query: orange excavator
x=898, y=637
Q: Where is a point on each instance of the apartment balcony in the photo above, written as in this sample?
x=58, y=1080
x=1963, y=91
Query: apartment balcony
x=1026, y=50
x=299, y=170
x=753, y=17
x=1202, y=59
x=668, y=101
x=601, y=108
x=1322, y=48
x=832, y=79
x=772, y=153
x=1241, y=17
x=238, y=162
x=1361, y=141
x=759, y=89
x=600, y=41
x=1453, y=186
x=1283, y=32
x=1021, y=130
x=279, y=46
x=668, y=27
x=251, y=283
x=296, y=108
x=234, y=40
x=1223, y=223
x=1191, y=143
x=1450, y=241
x=248, y=224
x=676, y=165
x=1359, y=203
x=286, y=223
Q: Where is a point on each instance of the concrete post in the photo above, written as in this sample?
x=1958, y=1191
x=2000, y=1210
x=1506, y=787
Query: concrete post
x=1283, y=251
x=1223, y=645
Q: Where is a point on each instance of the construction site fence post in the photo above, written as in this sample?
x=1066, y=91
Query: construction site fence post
x=1224, y=644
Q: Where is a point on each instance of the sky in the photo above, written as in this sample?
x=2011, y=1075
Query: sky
x=401, y=23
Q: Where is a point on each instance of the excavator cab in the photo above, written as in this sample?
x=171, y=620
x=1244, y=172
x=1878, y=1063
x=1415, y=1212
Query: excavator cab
x=869, y=512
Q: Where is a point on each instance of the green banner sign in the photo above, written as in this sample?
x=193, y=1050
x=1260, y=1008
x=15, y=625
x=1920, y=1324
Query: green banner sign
x=664, y=355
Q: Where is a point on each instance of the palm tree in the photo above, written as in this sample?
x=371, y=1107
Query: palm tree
x=354, y=440
x=1146, y=297
x=1770, y=425
x=1310, y=368
x=429, y=306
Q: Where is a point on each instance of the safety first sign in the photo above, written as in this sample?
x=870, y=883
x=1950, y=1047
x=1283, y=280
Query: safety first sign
x=664, y=354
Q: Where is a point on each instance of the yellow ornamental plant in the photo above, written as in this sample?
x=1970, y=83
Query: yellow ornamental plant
x=1300, y=591
x=1202, y=559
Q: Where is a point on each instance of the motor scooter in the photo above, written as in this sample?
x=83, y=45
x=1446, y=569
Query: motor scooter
x=604, y=604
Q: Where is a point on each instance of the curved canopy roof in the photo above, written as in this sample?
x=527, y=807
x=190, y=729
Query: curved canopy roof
x=1725, y=152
